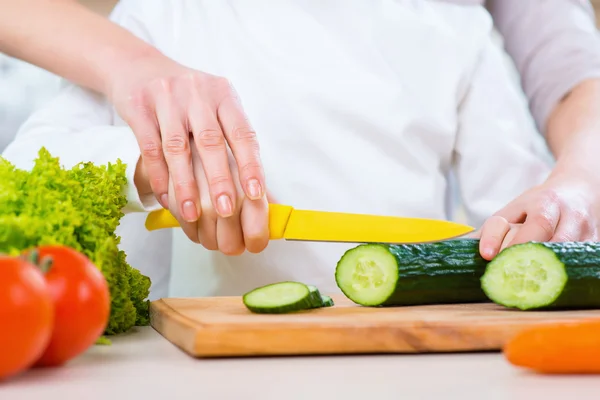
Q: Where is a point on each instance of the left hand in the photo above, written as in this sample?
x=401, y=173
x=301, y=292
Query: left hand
x=564, y=208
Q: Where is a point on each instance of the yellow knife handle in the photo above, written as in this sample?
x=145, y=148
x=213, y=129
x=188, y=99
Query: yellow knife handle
x=279, y=215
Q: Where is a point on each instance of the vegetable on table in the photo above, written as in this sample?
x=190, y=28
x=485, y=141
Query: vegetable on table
x=538, y=276
x=27, y=315
x=557, y=348
x=81, y=208
x=81, y=302
x=412, y=274
x=285, y=297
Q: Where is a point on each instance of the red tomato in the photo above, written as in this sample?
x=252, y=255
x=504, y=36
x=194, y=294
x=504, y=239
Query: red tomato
x=81, y=303
x=26, y=315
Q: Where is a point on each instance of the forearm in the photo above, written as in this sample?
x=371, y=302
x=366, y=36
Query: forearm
x=67, y=39
x=573, y=132
x=555, y=46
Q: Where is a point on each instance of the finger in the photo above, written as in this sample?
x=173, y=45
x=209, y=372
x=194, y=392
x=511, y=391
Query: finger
x=254, y=219
x=510, y=236
x=540, y=224
x=207, y=223
x=493, y=233
x=176, y=147
x=212, y=148
x=513, y=212
x=244, y=145
x=230, y=239
x=142, y=121
x=189, y=228
x=255, y=224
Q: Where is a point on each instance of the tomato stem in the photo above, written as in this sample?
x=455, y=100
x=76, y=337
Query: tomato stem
x=45, y=264
x=33, y=257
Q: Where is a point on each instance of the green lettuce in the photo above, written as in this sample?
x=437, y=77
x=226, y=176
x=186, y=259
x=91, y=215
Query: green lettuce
x=79, y=207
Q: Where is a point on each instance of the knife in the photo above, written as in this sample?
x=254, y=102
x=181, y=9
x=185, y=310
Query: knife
x=288, y=223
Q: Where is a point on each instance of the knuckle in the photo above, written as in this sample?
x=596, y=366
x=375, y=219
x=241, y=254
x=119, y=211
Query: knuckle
x=138, y=104
x=218, y=180
x=251, y=167
x=177, y=144
x=580, y=216
x=165, y=85
x=550, y=196
x=244, y=134
x=159, y=183
x=222, y=84
x=151, y=151
x=183, y=184
x=210, y=139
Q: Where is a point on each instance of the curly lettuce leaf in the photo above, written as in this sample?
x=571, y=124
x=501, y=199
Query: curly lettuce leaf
x=79, y=207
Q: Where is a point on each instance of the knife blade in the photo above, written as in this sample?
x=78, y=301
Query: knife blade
x=286, y=222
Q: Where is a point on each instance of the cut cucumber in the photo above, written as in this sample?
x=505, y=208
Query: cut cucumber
x=283, y=297
x=538, y=275
x=412, y=274
x=327, y=301
x=315, y=296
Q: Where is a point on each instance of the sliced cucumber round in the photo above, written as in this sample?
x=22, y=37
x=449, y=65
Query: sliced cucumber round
x=283, y=297
x=327, y=301
x=525, y=276
x=367, y=274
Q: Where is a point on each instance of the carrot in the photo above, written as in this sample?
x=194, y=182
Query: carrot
x=557, y=348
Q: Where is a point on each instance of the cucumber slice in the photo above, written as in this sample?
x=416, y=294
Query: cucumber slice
x=538, y=275
x=367, y=274
x=279, y=298
x=315, y=296
x=327, y=301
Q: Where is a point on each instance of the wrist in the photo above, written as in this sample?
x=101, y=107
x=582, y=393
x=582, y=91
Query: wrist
x=113, y=62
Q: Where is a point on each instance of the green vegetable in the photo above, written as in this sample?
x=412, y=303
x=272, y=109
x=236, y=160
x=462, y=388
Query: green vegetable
x=79, y=207
x=412, y=274
x=545, y=276
x=327, y=301
x=283, y=297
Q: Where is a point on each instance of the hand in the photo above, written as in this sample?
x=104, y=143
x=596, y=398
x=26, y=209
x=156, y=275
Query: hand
x=165, y=104
x=247, y=228
x=564, y=208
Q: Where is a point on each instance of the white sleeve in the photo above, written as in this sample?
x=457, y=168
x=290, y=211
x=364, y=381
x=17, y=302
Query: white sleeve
x=79, y=126
x=499, y=154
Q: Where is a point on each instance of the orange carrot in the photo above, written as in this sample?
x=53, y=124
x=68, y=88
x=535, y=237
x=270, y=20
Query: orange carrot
x=557, y=348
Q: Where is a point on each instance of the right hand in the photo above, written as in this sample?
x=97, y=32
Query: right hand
x=165, y=104
x=247, y=227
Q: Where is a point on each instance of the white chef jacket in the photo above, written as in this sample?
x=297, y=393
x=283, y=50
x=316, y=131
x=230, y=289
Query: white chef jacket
x=360, y=106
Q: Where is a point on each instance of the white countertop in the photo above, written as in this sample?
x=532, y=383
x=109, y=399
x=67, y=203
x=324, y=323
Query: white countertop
x=143, y=365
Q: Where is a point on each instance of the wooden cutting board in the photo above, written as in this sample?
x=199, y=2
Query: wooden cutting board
x=222, y=326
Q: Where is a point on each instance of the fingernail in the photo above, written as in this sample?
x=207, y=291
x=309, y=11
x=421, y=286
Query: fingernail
x=164, y=200
x=225, y=206
x=254, y=189
x=488, y=252
x=189, y=211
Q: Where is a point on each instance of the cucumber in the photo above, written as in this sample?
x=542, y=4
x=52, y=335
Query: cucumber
x=283, y=297
x=327, y=301
x=315, y=296
x=538, y=276
x=412, y=274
